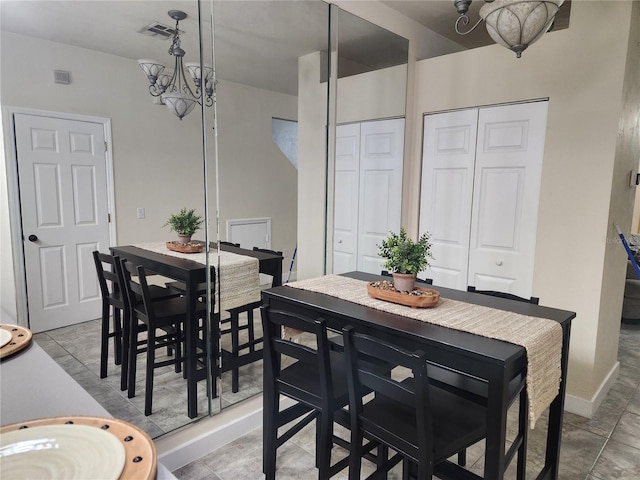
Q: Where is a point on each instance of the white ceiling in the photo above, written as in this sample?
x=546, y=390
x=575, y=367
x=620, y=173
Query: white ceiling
x=256, y=42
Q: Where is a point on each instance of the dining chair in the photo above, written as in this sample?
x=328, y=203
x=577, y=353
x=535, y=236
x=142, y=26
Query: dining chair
x=234, y=358
x=168, y=315
x=510, y=296
x=422, y=423
x=115, y=301
x=313, y=377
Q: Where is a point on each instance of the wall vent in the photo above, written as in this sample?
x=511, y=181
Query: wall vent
x=157, y=29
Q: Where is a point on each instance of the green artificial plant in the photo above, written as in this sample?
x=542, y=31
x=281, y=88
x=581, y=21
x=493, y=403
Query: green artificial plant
x=403, y=255
x=185, y=222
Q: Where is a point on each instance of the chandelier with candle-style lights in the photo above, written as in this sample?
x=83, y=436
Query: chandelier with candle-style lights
x=172, y=87
x=515, y=24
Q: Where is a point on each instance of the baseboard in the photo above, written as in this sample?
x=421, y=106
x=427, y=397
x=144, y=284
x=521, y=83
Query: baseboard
x=587, y=408
x=177, y=449
x=192, y=442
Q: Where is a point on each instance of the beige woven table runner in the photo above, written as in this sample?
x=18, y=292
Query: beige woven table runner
x=542, y=338
x=239, y=274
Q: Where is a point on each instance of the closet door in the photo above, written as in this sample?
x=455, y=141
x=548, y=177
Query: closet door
x=505, y=198
x=380, y=199
x=449, y=150
x=347, y=180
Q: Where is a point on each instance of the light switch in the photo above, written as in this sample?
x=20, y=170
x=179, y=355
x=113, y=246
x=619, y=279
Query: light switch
x=140, y=212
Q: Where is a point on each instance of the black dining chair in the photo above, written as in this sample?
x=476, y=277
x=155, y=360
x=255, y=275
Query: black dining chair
x=150, y=315
x=509, y=296
x=115, y=301
x=422, y=423
x=234, y=358
x=313, y=377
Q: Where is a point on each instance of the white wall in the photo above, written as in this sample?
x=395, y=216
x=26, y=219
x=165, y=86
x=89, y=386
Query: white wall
x=581, y=71
x=157, y=158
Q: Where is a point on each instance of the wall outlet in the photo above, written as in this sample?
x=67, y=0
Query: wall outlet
x=140, y=212
x=285, y=252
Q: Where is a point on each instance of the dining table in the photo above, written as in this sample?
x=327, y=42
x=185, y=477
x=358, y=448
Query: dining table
x=193, y=274
x=494, y=363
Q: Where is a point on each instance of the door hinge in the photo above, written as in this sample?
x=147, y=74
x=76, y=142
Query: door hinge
x=108, y=218
x=106, y=148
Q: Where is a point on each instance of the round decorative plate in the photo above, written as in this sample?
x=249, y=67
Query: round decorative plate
x=20, y=338
x=76, y=448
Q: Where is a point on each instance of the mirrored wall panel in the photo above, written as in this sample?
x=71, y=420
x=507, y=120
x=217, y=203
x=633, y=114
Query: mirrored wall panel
x=71, y=71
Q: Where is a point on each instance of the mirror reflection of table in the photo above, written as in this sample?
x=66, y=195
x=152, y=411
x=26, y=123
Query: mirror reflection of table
x=192, y=274
x=493, y=361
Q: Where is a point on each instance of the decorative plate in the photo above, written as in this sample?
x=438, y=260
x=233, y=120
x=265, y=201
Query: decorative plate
x=77, y=448
x=418, y=298
x=191, y=247
x=18, y=337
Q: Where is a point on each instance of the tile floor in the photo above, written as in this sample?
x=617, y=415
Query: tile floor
x=77, y=350
x=602, y=448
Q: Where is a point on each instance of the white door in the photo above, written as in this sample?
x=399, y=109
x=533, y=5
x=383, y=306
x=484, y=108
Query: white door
x=449, y=150
x=63, y=196
x=480, y=191
x=347, y=180
x=505, y=198
x=380, y=198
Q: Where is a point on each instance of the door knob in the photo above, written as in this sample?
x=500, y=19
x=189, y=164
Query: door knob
x=499, y=262
x=33, y=238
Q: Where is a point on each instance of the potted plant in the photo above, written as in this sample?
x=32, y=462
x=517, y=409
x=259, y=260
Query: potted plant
x=185, y=223
x=405, y=258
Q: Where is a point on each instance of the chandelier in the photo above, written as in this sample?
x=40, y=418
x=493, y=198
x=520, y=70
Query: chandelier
x=172, y=86
x=515, y=24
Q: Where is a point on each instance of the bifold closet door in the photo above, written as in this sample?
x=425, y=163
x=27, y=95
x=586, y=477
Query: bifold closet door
x=479, y=196
x=368, y=191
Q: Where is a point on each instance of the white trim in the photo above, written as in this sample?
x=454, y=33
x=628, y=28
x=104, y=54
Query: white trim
x=13, y=193
x=587, y=408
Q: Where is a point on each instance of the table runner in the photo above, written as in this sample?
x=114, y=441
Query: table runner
x=238, y=274
x=542, y=338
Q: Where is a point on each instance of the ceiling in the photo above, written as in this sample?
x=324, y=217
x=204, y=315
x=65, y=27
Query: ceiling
x=249, y=50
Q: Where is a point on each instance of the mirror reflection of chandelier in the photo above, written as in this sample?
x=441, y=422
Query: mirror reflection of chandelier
x=172, y=86
x=515, y=24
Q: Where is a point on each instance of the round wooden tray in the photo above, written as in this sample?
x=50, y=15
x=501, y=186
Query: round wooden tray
x=21, y=339
x=414, y=301
x=191, y=247
x=140, y=451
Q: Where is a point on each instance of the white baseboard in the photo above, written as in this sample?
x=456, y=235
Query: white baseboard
x=587, y=408
x=175, y=450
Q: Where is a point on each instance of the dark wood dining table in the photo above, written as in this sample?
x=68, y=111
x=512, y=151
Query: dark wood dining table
x=492, y=361
x=192, y=274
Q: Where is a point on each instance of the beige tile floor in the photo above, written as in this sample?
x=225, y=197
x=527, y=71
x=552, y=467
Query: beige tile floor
x=602, y=448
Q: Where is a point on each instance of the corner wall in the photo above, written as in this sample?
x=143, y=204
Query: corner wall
x=581, y=71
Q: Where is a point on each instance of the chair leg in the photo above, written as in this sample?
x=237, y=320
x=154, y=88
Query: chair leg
x=523, y=408
x=270, y=437
x=151, y=353
x=178, y=348
x=117, y=336
x=462, y=457
x=235, y=342
x=251, y=331
x=133, y=349
x=355, y=455
x=126, y=347
x=104, y=340
x=323, y=450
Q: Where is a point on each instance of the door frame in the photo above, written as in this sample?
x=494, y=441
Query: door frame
x=13, y=194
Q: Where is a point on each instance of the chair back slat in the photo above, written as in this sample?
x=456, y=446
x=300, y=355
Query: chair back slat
x=138, y=290
x=509, y=296
x=107, y=279
x=266, y=250
x=295, y=350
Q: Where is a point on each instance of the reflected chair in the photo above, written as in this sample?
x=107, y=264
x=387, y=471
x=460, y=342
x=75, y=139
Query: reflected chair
x=230, y=244
x=112, y=289
x=509, y=296
x=234, y=359
x=423, y=424
x=168, y=315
